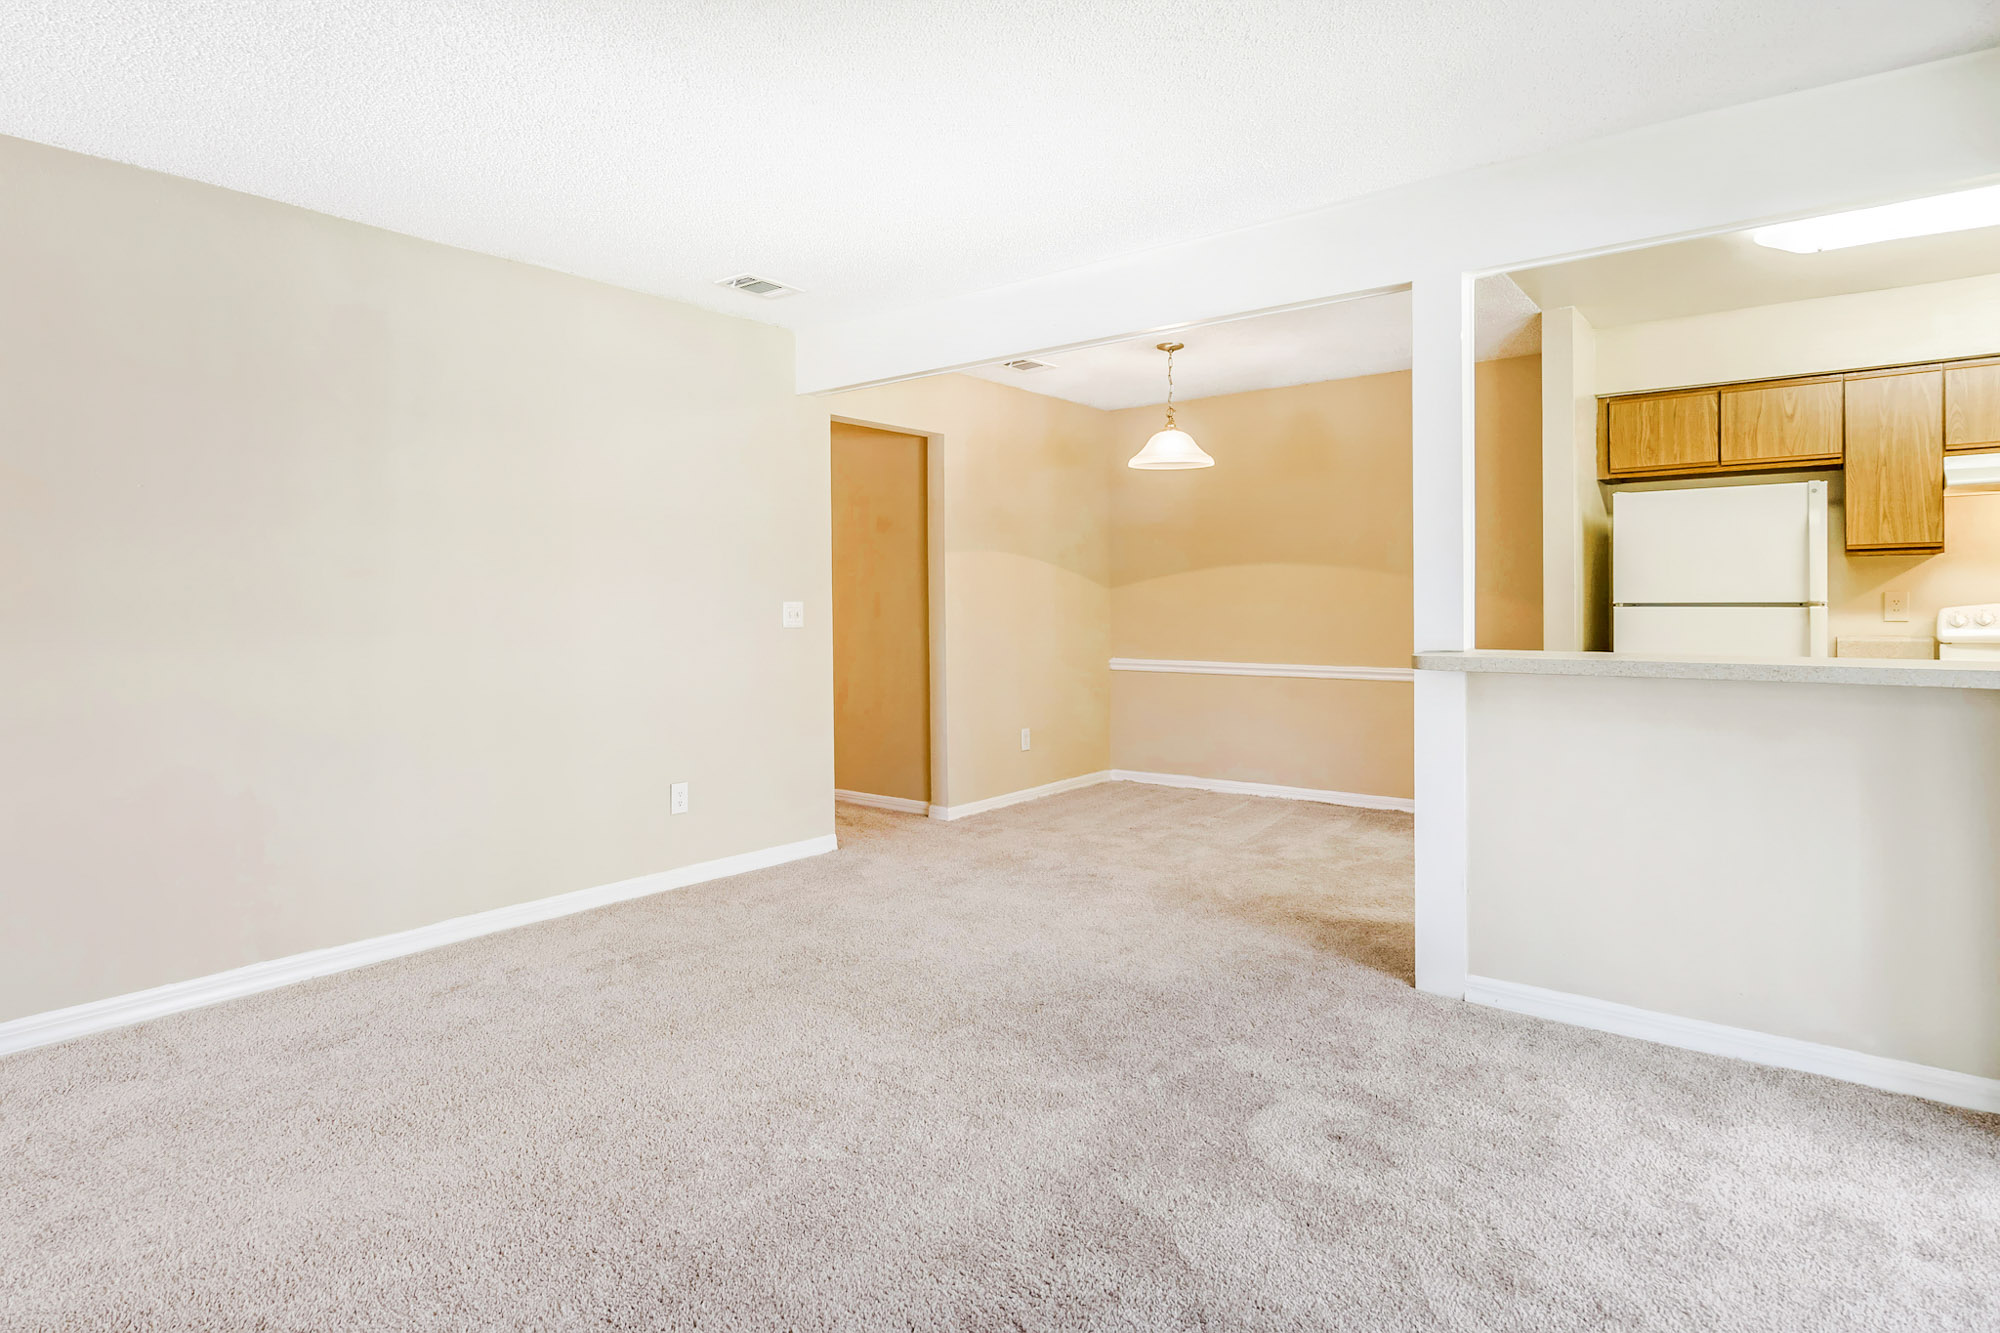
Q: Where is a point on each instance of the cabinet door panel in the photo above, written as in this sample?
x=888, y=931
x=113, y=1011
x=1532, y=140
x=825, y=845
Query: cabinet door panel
x=1895, y=461
x=1672, y=432
x=1972, y=406
x=1770, y=424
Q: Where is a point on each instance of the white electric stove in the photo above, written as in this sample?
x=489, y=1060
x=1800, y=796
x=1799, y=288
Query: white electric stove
x=1967, y=633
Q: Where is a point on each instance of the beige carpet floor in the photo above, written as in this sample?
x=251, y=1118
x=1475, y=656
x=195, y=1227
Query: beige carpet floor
x=1129, y=1058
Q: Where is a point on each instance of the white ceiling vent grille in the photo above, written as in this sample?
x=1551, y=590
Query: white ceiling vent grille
x=756, y=286
x=1027, y=364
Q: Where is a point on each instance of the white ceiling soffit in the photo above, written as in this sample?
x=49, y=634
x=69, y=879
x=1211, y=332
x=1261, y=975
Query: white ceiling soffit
x=1733, y=272
x=879, y=154
x=1366, y=336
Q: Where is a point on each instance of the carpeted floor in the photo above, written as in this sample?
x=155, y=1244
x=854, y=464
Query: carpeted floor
x=1129, y=1058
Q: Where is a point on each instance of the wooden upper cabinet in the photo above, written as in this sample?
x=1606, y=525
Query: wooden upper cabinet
x=1669, y=432
x=1783, y=422
x=1972, y=405
x=1895, y=461
x=1888, y=428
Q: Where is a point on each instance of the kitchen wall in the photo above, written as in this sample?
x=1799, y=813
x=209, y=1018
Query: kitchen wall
x=1576, y=518
x=1934, y=320
x=1021, y=498
x=1295, y=548
x=1931, y=321
x=1814, y=861
x=881, y=636
x=349, y=583
x=1967, y=570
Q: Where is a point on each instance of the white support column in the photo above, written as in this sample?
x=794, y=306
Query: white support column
x=1441, y=473
x=1575, y=528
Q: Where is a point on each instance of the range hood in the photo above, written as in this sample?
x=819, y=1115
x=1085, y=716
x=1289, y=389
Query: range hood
x=1968, y=474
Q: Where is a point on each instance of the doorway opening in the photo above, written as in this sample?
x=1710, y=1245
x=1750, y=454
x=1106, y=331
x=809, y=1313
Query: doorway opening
x=1773, y=453
x=881, y=618
x=1244, y=628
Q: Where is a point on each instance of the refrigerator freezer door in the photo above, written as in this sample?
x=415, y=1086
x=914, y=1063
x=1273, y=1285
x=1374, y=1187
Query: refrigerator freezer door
x=1719, y=544
x=1719, y=631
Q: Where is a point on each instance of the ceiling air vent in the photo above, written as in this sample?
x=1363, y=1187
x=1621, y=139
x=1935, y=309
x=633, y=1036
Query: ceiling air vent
x=756, y=286
x=1027, y=364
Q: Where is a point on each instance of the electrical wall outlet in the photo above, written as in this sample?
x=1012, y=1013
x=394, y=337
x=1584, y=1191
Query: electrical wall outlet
x=1895, y=605
x=1024, y=738
x=795, y=615
x=680, y=806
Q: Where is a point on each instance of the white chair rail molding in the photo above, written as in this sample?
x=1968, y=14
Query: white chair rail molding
x=1295, y=670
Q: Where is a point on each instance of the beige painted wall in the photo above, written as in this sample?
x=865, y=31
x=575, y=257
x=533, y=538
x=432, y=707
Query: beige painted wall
x=1931, y=321
x=1508, y=495
x=881, y=637
x=1295, y=548
x=1328, y=735
x=1967, y=570
x=1944, y=319
x=349, y=583
x=1814, y=861
x=1022, y=498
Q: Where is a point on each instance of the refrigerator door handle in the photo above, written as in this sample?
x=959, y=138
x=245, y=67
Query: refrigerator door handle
x=1816, y=554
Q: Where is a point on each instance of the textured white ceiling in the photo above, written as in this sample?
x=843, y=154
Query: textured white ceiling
x=1367, y=336
x=1733, y=272
x=877, y=153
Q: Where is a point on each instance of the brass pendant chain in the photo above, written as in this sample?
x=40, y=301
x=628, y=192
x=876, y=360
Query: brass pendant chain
x=1170, y=349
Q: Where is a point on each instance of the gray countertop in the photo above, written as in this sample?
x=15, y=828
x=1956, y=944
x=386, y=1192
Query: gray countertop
x=1782, y=670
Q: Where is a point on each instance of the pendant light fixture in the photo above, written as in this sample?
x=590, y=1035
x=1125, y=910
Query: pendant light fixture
x=1172, y=447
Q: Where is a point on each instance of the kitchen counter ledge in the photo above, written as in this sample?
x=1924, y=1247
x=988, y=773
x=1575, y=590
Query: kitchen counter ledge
x=1781, y=670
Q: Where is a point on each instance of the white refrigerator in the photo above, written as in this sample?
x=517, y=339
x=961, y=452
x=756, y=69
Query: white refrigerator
x=1720, y=571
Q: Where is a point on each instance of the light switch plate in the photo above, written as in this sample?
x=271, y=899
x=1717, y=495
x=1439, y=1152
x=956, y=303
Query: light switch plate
x=680, y=798
x=1024, y=738
x=795, y=615
x=1895, y=605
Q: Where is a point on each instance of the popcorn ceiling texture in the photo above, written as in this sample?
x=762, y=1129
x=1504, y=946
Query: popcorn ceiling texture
x=879, y=153
x=1128, y=1058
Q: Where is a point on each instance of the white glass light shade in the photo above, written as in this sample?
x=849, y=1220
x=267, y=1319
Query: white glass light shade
x=1171, y=449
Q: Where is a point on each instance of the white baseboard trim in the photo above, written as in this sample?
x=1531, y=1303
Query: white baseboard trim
x=1017, y=797
x=22, y=1034
x=1362, y=799
x=905, y=804
x=1876, y=1071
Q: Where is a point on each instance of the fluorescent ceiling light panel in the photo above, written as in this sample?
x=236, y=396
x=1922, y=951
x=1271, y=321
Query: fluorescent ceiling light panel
x=1891, y=222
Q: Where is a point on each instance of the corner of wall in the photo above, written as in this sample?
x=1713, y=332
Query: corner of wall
x=1576, y=524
